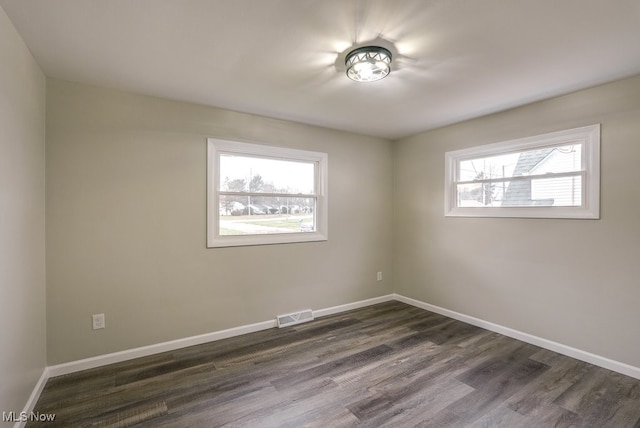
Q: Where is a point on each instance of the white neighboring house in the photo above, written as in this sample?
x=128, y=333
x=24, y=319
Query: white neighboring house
x=564, y=191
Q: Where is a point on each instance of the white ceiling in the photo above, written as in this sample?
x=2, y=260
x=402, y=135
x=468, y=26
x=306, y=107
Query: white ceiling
x=453, y=59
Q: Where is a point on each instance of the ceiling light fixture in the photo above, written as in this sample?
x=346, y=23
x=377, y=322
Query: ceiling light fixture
x=368, y=64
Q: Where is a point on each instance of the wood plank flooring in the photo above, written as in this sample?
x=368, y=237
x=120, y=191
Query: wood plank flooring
x=388, y=365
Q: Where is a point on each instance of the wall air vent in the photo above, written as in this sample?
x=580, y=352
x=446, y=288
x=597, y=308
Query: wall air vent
x=295, y=318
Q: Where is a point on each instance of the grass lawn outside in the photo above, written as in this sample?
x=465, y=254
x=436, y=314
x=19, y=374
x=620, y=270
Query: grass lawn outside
x=265, y=224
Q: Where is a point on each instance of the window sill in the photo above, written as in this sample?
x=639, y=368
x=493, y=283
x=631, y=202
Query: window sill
x=271, y=239
x=579, y=213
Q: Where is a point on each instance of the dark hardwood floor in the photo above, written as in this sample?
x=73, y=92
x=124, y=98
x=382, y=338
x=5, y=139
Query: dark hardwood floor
x=386, y=365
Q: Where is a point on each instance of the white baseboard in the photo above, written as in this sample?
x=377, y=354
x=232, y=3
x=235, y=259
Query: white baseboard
x=129, y=354
x=144, y=351
x=33, y=398
x=116, y=357
x=351, y=306
x=569, y=351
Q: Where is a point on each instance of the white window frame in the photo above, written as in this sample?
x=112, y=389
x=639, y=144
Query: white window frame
x=217, y=147
x=588, y=136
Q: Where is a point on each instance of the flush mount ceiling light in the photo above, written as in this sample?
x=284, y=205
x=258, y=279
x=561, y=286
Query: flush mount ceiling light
x=368, y=63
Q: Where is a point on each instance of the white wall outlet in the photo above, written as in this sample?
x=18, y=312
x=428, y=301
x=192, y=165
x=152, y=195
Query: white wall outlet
x=98, y=321
x=379, y=276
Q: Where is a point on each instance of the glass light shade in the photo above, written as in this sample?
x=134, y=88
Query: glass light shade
x=368, y=64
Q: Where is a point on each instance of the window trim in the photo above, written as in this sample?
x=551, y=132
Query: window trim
x=216, y=147
x=589, y=136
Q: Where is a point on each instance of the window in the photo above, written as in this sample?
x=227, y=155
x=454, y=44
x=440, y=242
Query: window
x=554, y=175
x=264, y=195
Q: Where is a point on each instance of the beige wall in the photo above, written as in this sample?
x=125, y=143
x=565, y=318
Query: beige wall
x=22, y=264
x=126, y=226
x=576, y=282
x=126, y=197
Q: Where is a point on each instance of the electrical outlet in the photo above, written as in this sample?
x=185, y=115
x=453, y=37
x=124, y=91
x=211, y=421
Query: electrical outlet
x=98, y=321
x=379, y=276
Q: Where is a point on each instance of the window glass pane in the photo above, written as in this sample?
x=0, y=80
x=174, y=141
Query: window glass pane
x=540, y=192
x=544, y=192
x=560, y=159
x=260, y=215
x=565, y=158
x=240, y=173
x=557, y=192
x=488, y=167
x=480, y=194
